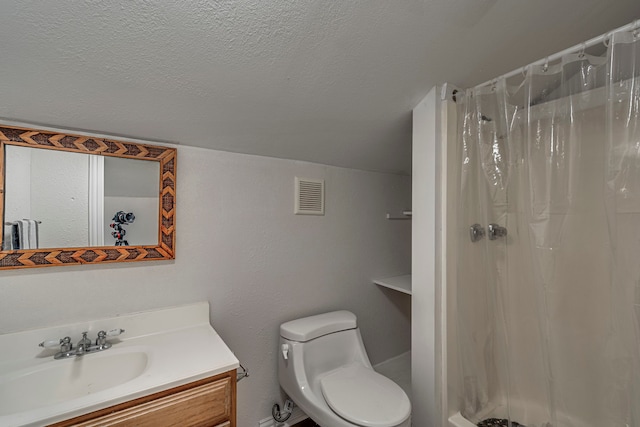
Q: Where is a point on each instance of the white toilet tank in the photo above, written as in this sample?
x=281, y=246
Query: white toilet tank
x=321, y=343
x=308, y=328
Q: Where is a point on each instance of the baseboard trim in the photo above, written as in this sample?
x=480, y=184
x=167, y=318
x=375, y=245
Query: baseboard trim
x=296, y=416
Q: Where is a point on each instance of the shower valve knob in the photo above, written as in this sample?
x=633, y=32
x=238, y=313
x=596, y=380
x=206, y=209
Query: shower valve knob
x=476, y=232
x=496, y=231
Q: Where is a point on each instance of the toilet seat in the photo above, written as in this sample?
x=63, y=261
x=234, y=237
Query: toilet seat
x=363, y=397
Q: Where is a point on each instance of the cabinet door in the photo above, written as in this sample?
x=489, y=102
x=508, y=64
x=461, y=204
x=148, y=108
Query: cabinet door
x=203, y=406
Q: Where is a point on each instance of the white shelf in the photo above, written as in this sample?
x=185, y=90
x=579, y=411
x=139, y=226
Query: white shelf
x=397, y=283
x=405, y=215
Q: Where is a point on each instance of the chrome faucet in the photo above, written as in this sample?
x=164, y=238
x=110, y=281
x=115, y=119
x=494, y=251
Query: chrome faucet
x=84, y=345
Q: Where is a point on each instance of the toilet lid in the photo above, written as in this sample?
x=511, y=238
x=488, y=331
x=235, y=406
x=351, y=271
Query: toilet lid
x=364, y=397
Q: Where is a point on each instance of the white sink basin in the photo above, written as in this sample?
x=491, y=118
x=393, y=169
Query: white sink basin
x=63, y=380
x=36, y=390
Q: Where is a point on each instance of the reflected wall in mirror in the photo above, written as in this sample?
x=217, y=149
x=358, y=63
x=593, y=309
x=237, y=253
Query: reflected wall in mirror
x=68, y=199
x=131, y=186
x=69, y=206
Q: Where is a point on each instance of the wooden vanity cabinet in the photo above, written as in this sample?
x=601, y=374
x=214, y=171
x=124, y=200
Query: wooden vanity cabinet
x=210, y=402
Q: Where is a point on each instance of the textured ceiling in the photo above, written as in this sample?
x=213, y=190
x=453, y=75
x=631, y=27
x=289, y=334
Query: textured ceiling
x=332, y=82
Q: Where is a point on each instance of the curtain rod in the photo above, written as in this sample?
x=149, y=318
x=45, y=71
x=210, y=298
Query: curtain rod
x=576, y=48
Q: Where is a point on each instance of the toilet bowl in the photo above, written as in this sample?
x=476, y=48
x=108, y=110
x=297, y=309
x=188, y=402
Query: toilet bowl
x=325, y=370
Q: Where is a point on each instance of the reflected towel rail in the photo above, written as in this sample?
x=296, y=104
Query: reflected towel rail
x=15, y=222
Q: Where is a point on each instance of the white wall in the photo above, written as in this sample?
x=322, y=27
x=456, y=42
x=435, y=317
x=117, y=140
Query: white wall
x=451, y=229
x=426, y=362
x=131, y=185
x=35, y=184
x=68, y=224
x=17, y=188
x=240, y=247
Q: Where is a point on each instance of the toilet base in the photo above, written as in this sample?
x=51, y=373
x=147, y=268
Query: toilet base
x=321, y=414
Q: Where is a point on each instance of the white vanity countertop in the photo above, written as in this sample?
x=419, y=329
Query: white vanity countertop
x=172, y=347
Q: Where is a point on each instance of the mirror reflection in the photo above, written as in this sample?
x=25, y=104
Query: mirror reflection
x=59, y=199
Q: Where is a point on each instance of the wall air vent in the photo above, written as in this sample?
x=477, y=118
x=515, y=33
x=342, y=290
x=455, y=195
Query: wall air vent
x=309, y=197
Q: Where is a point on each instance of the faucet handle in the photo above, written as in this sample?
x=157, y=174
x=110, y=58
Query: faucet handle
x=54, y=343
x=101, y=340
x=63, y=343
x=50, y=343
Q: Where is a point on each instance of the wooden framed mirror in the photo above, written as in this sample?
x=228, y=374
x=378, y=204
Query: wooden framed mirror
x=42, y=185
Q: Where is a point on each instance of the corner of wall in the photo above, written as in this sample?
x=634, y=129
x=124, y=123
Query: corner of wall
x=425, y=193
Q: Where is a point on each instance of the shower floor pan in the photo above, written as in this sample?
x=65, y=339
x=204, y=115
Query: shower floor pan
x=526, y=413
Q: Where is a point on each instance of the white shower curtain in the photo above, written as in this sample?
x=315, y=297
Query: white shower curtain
x=549, y=316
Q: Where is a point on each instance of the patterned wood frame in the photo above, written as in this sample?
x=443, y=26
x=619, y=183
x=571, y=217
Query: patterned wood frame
x=50, y=140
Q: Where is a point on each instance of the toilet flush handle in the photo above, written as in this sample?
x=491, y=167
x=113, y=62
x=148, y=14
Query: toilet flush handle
x=285, y=351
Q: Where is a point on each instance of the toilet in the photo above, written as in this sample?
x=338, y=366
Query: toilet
x=325, y=370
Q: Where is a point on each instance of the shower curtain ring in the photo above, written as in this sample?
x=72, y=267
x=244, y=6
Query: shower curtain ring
x=583, y=48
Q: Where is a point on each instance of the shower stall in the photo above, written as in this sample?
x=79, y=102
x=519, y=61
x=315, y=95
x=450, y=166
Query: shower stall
x=543, y=300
